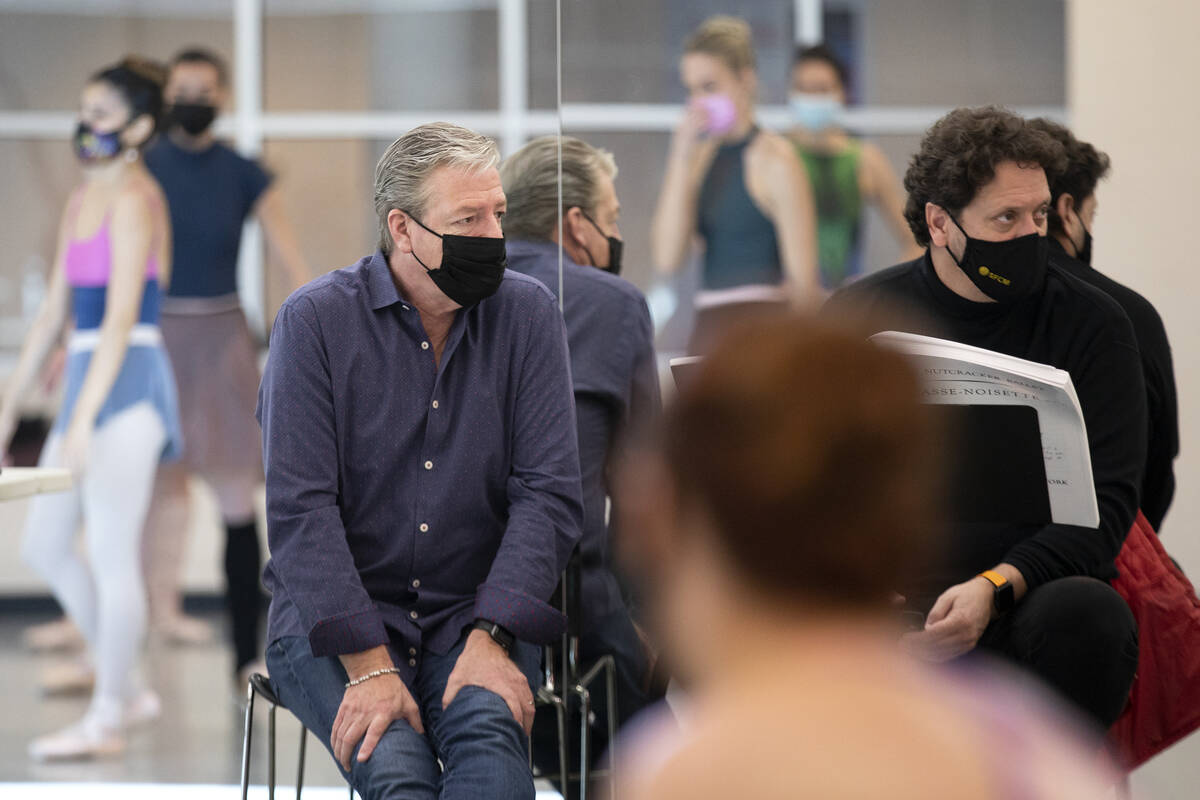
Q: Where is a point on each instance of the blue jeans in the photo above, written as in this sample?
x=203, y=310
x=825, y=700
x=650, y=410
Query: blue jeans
x=483, y=748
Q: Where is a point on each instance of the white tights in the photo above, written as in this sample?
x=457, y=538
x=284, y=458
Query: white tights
x=103, y=593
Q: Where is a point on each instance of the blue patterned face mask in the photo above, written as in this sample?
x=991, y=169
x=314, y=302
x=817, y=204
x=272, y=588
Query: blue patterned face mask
x=815, y=112
x=92, y=147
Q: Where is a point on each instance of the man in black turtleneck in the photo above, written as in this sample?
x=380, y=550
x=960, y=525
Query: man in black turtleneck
x=979, y=199
x=1072, y=216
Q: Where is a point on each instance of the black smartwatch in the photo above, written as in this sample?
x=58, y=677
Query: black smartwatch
x=1002, y=595
x=499, y=635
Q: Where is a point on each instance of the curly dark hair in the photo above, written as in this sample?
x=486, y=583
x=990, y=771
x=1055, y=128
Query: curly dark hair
x=959, y=156
x=1086, y=167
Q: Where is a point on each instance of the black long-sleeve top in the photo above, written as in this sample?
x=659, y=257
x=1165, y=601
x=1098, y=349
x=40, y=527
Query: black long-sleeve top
x=1162, y=405
x=1067, y=324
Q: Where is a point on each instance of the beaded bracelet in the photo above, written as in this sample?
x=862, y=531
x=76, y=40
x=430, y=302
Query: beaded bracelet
x=374, y=674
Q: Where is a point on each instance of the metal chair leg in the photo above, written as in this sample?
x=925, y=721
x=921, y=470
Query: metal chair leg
x=300, y=767
x=585, y=710
x=608, y=666
x=547, y=697
x=246, y=742
x=611, y=685
x=271, y=754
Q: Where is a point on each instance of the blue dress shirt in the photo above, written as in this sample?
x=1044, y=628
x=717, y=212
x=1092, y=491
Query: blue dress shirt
x=405, y=498
x=615, y=375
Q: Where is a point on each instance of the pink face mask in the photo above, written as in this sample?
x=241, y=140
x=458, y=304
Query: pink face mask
x=722, y=114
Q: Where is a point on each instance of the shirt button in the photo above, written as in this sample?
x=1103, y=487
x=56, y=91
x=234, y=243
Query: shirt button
x=412, y=614
x=428, y=465
x=435, y=403
x=424, y=345
x=412, y=662
x=412, y=651
x=416, y=583
x=424, y=528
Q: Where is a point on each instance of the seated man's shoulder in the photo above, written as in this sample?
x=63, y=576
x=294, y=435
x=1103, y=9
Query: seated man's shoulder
x=604, y=287
x=519, y=288
x=1086, y=302
x=330, y=292
x=1140, y=310
x=882, y=284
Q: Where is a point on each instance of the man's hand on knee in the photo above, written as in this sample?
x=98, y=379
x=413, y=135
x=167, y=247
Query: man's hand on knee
x=366, y=712
x=484, y=663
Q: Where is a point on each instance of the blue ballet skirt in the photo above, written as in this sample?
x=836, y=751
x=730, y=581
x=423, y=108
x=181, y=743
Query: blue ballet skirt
x=145, y=376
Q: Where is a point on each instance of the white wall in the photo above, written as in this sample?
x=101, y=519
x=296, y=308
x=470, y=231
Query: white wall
x=1132, y=71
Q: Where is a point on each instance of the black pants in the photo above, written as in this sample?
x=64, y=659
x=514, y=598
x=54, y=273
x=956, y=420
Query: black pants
x=244, y=597
x=1078, y=635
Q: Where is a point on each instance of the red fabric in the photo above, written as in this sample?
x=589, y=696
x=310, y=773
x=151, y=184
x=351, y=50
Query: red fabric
x=1164, y=704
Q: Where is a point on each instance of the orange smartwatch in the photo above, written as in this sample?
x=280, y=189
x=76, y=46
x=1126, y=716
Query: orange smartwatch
x=1002, y=593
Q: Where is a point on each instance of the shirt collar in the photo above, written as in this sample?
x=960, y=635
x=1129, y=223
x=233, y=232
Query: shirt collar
x=380, y=284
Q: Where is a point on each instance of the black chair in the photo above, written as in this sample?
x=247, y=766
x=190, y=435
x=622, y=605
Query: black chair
x=259, y=685
x=563, y=678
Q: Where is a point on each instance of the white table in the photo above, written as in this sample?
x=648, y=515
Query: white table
x=18, y=482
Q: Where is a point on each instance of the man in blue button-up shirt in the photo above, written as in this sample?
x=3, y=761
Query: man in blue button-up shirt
x=613, y=369
x=423, y=488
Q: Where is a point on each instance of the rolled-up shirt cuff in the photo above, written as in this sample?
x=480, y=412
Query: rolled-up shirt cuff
x=352, y=632
x=527, y=618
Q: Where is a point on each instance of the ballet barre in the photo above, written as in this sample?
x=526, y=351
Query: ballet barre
x=18, y=482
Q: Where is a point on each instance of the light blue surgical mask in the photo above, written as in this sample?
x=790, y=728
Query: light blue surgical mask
x=815, y=112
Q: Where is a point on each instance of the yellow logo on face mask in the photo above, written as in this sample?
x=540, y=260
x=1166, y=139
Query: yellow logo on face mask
x=987, y=273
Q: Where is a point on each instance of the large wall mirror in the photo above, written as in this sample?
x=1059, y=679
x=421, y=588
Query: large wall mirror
x=623, y=91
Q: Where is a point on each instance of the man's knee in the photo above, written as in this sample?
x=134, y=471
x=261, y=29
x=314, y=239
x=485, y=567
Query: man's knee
x=484, y=748
x=402, y=766
x=477, y=712
x=1085, y=610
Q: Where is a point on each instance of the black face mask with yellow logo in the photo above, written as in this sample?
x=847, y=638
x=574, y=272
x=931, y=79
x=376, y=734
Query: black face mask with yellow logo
x=1005, y=271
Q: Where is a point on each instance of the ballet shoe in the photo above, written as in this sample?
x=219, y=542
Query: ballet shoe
x=54, y=636
x=182, y=630
x=145, y=707
x=86, y=739
x=67, y=678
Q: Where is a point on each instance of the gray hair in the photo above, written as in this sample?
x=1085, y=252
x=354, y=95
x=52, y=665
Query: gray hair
x=530, y=178
x=403, y=171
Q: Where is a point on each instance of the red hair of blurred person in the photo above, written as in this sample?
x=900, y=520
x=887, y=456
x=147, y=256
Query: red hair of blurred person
x=809, y=449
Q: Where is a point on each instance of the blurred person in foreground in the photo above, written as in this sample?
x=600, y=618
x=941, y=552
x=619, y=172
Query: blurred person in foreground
x=845, y=172
x=979, y=199
x=781, y=505
x=423, y=488
x=1072, y=220
x=119, y=416
x=734, y=189
x=613, y=369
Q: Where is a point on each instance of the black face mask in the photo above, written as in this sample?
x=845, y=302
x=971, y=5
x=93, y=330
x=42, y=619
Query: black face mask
x=1084, y=253
x=615, y=248
x=1005, y=271
x=194, y=118
x=472, y=266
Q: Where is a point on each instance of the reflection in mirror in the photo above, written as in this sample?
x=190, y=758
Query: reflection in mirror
x=623, y=90
x=744, y=178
